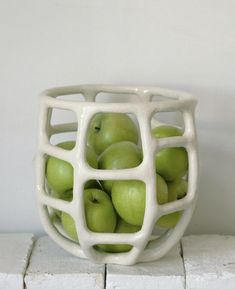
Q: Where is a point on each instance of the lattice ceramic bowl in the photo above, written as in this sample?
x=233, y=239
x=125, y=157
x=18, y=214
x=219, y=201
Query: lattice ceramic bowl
x=145, y=104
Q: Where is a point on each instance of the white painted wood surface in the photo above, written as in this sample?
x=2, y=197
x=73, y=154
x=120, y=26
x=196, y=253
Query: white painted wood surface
x=209, y=261
x=14, y=254
x=53, y=268
x=166, y=273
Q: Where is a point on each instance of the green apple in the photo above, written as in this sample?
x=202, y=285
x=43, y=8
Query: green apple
x=69, y=226
x=66, y=196
x=93, y=184
x=129, y=199
x=122, y=227
x=108, y=128
x=99, y=213
x=120, y=155
x=176, y=190
x=91, y=157
x=171, y=163
x=169, y=221
x=59, y=173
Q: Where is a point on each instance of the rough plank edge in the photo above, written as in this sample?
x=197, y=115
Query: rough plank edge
x=182, y=257
x=28, y=258
x=16, y=279
x=98, y=279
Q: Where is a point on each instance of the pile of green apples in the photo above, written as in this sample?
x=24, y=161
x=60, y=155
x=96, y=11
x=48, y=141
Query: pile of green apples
x=118, y=206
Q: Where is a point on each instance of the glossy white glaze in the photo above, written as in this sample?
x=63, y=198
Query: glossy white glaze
x=143, y=108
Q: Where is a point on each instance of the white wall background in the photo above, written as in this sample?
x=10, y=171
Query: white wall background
x=184, y=44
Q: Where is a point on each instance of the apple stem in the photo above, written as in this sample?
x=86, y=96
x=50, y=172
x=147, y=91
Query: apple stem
x=94, y=200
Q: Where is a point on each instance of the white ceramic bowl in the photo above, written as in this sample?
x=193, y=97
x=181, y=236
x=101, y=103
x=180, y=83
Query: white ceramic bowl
x=144, y=103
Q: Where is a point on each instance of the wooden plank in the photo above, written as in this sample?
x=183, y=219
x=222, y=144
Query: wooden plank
x=51, y=267
x=166, y=273
x=209, y=261
x=14, y=254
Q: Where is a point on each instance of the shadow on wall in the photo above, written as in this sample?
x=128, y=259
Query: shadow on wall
x=215, y=208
